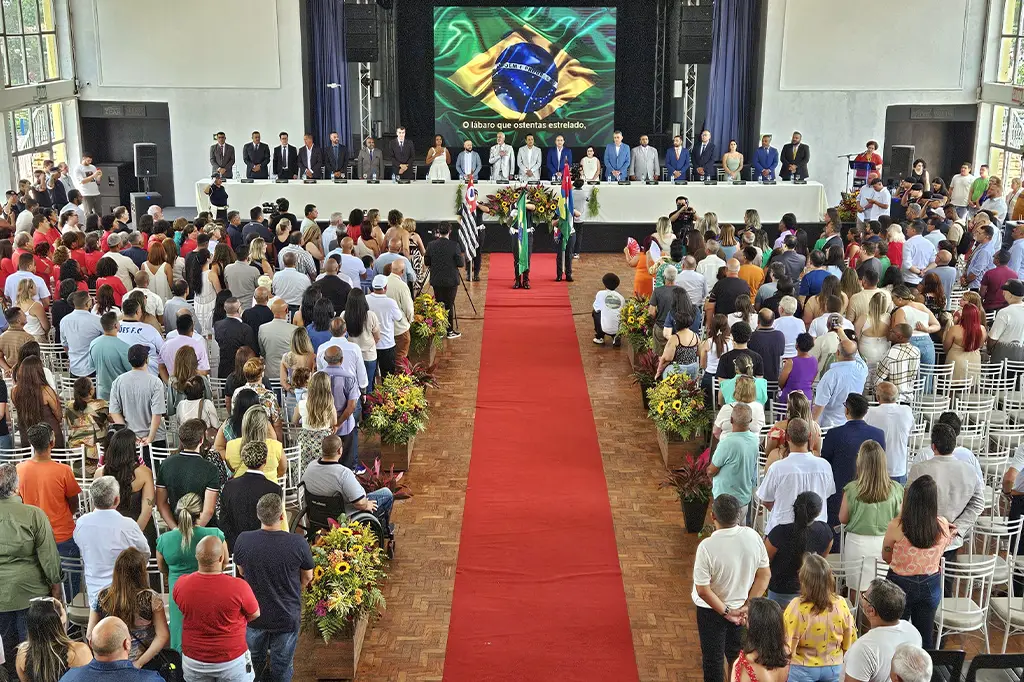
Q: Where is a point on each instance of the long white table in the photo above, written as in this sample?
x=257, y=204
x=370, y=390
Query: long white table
x=636, y=203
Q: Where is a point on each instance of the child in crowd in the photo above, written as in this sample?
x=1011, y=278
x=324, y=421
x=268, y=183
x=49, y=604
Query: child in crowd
x=300, y=377
x=607, y=306
x=366, y=280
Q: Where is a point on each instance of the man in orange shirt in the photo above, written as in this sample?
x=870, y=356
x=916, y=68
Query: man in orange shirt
x=749, y=270
x=52, y=487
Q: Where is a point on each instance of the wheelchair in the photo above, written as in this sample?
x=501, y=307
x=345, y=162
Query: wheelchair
x=316, y=510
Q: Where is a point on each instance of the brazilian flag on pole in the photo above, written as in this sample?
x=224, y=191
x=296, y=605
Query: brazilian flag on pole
x=523, y=225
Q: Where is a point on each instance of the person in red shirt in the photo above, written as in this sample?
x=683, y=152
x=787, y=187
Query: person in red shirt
x=355, y=224
x=7, y=264
x=44, y=230
x=191, y=242
x=215, y=610
x=44, y=264
x=93, y=254
x=106, y=273
x=992, y=283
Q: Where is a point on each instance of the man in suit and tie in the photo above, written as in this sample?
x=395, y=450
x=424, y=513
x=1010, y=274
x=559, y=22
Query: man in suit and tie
x=677, y=160
x=370, y=161
x=794, y=158
x=468, y=162
x=766, y=159
x=403, y=154
x=501, y=158
x=256, y=156
x=222, y=157
x=529, y=161
x=286, y=159
x=703, y=154
x=616, y=158
x=643, y=164
x=557, y=157
x=335, y=158
x=311, y=161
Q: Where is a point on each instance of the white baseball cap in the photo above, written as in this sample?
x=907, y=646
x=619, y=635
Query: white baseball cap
x=380, y=282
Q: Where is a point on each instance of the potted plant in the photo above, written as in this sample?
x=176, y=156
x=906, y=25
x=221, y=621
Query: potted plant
x=394, y=413
x=375, y=478
x=693, y=485
x=677, y=408
x=428, y=330
x=644, y=373
x=423, y=374
x=634, y=327
x=344, y=596
x=849, y=207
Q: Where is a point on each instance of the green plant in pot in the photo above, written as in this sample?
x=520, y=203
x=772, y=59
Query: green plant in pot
x=693, y=486
x=644, y=374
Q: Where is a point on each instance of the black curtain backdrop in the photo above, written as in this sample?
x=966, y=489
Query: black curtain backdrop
x=634, y=65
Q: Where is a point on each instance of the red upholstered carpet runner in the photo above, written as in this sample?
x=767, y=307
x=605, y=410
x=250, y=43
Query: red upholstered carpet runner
x=538, y=591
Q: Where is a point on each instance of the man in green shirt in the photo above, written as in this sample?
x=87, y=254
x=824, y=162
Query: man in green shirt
x=733, y=467
x=29, y=563
x=109, y=355
x=979, y=186
x=187, y=472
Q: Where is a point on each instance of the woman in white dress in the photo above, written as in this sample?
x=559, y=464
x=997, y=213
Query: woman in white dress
x=591, y=166
x=438, y=160
x=36, y=322
x=160, y=272
x=873, y=332
x=201, y=288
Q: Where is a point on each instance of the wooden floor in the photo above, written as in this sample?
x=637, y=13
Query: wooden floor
x=655, y=553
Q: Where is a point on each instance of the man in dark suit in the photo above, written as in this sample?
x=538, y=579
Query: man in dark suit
x=335, y=158
x=557, y=157
x=222, y=156
x=403, y=155
x=231, y=334
x=333, y=287
x=256, y=156
x=311, y=161
x=286, y=159
x=794, y=158
x=702, y=156
x=444, y=258
x=242, y=493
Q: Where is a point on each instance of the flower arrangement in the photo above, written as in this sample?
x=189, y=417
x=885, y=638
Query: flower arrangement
x=423, y=374
x=677, y=406
x=848, y=208
x=545, y=203
x=396, y=409
x=429, y=323
x=374, y=478
x=691, y=481
x=501, y=203
x=347, y=573
x=634, y=323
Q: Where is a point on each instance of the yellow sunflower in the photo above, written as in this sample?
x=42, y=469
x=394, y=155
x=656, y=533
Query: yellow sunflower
x=342, y=567
x=677, y=404
x=402, y=402
x=356, y=549
x=661, y=408
x=318, y=573
x=345, y=531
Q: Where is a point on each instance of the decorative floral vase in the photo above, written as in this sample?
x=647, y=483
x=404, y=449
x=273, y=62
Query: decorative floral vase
x=334, y=660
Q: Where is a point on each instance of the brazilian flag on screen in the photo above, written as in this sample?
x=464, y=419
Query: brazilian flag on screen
x=543, y=70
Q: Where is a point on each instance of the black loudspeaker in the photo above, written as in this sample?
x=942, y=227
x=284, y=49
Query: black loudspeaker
x=145, y=160
x=361, y=33
x=695, y=34
x=901, y=160
x=141, y=201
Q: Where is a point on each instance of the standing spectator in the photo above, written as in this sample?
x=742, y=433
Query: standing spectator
x=798, y=472
x=52, y=487
x=788, y=323
x=662, y=300
x=241, y=494
x=897, y=421
x=185, y=326
x=49, y=653
x=216, y=609
x=29, y=562
x=769, y=343
x=139, y=400
x=388, y=314
x=741, y=334
x=733, y=467
x=788, y=543
x=78, y=329
x=913, y=547
x=345, y=389
x=869, y=659
x=902, y=363
x=725, y=291
x=1004, y=339
x=289, y=283
x=819, y=625
x=176, y=303
x=232, y=334
x=111, y=645
x=731, y=567
x=34, y=398
x=108, y=355
x=275, y=337
x=444, y=258
x=103, y=533
x=841, y=447
x=187, y=472
x=121, y=460
x=278, y=565
x=844, y=376
x=962, y=496
x=764, y=656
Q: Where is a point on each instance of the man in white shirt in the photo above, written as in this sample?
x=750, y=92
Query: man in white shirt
x=398, y=291
x=133, y=330
x=896, y=421
x=1006, y=338
x=352, y=356
x=154, y=304
x=75, y=204
x=351, y=265
x=26, y=270
x=529, y=161
x=388, y=313
x=790, y=326
x=960, y=189
x=874, y=200
x=102, y=534
x=126, y=267
x=918, y=253
x=500, y=159
x=289, y=283
x=330, y=235
x=694, y=283
x=608, y=306
x=87, y=178
x=709, y=266
x=801, y=472
x=869, y=659
x=730, y=567
x=23, y=223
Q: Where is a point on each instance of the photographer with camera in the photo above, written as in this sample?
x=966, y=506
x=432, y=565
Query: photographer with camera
x=683, y=218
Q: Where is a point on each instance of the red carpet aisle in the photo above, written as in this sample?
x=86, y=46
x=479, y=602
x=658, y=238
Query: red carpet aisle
x=538, y=591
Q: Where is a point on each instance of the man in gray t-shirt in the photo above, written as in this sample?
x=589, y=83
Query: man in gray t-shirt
x=328, y=477
x=138, y=399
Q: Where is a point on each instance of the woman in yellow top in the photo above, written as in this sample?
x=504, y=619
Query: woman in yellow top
x=819, y=626
x=256, y=427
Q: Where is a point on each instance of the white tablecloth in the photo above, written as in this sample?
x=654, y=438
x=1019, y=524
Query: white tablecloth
x=636, y=203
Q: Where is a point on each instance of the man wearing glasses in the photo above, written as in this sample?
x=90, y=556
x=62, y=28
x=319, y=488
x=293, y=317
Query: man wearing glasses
x=870, y=657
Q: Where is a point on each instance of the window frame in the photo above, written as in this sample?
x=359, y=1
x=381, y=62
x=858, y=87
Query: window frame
x=47, y=37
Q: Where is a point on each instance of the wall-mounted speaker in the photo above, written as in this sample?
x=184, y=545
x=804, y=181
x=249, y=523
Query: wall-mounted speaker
x=145, y=160
x=361, y=33
x=901, y=160
x=695, y=34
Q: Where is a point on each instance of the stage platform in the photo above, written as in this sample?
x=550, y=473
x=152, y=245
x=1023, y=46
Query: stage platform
x=619, y=204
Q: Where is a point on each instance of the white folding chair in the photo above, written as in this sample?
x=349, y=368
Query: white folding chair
x=966, y=611
x=14, y=455
x=158, y=456
x=75, y=458
x=1009, y=610
x=994, y=538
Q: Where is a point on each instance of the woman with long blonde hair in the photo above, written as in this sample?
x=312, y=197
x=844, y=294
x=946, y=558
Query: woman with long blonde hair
x=186, y=366
x=301, y=354
x=819, y=625
x=708, y=223
x=727, y=241
x=752, y=220
x=414, y=249
x=310, y=241
x=317, y=416
x=256, y=426
x=48, y=652
x=36, y=322
x=870, y=502
x=777, y=446
x=258, y=257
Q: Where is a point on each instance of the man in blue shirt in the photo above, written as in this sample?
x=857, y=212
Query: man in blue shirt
x=841, y=445
x=844, y=376
x=810, y=283
x=1017, y=250
x=111, y=643
x=983, y=258
x=766, y=159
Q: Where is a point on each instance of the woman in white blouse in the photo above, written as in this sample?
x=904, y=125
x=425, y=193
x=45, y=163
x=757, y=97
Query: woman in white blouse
x=590, y=166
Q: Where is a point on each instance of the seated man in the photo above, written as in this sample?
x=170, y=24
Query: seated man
x=328, y=477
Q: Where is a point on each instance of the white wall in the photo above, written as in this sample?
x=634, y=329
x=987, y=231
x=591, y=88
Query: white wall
x=831, y=70
x=240, y=74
